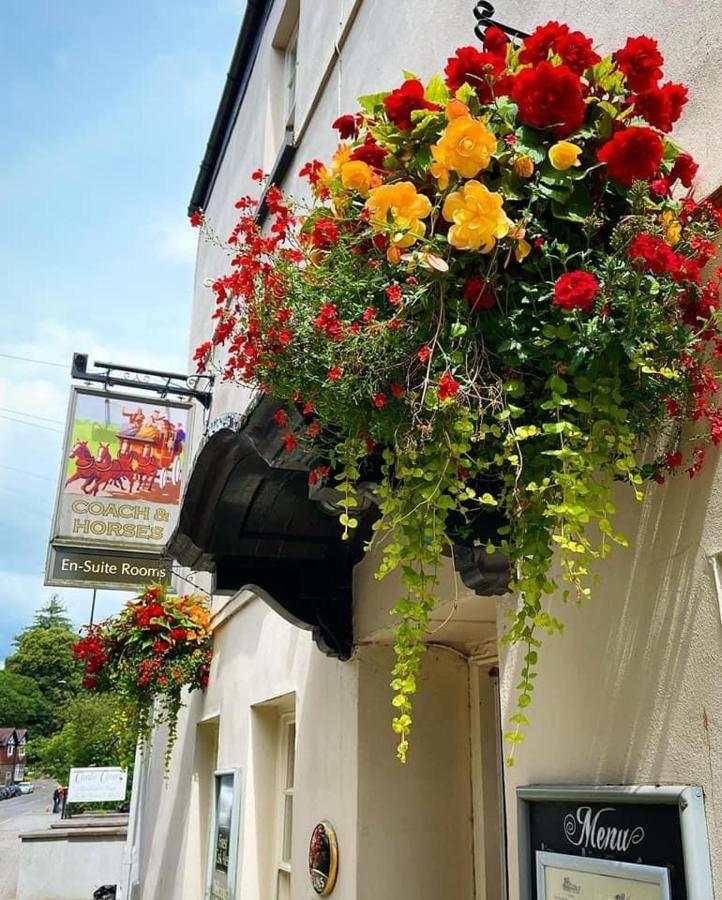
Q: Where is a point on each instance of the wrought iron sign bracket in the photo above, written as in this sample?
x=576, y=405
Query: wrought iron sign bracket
x=161, y=383
x=483, y=13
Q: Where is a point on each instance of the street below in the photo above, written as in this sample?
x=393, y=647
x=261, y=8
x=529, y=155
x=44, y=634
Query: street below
x=28, y=812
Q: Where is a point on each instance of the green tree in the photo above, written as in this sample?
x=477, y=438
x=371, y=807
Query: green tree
x=52, y=615
x=22, y=704
x=44, y=653
x=86, y=739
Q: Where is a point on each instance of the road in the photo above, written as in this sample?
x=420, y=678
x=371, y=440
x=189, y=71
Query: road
x=27, y=812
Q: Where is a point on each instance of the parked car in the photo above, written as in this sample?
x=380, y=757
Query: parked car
x=13, y=790
x=4, y=793
x=26, y=787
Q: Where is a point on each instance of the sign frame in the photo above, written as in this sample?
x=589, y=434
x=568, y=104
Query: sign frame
x=654, y=875
x=98, y=770
x=688, y=799
x=235, y=832
x=129, y=547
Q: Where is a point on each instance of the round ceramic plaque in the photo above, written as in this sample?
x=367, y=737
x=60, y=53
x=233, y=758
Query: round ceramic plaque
x=323, y=859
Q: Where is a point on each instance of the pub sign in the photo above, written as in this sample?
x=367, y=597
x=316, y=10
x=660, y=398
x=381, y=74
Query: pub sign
x=622, y=842
x=120, y=485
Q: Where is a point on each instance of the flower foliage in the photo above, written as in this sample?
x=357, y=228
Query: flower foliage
x=156, y=646
x=494, y=302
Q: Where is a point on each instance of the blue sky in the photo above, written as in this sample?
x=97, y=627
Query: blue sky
x=106, y=111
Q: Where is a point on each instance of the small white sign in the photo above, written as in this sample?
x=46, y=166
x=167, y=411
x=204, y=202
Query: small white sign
x=95, y=784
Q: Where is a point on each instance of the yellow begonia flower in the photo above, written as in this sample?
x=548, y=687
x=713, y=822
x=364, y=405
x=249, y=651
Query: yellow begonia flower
x=522, y=250
x=672, y=228
x=478, y=217
x=563, y=155
x=356, y=176
x=455, y=109
x=465, y=147
x=399, y=208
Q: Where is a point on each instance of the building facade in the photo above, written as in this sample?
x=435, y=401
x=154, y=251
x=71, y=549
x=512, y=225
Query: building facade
x=293, y=730
x=12, y=754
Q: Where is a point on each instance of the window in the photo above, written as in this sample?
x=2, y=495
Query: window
x=10, y=748
x=285, y=780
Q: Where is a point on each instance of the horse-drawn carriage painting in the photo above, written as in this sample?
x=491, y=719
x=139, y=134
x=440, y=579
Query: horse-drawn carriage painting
x=125, y=448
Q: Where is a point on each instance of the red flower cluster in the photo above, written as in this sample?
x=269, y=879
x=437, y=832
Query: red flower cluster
x=370, y=152
x=633, y=154
x=404, y=100
x=661, y=107
x=328, y=321
x=550, y=96
x=347, y=126
x=478, y=294
x=652, y=254
x=574, y=48
x=641, y=62
x=576, y=290
x=448, y=386
x=479, y=70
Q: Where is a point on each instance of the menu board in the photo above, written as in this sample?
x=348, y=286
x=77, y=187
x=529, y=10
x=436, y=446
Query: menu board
x=563, y=877
x=221, y=886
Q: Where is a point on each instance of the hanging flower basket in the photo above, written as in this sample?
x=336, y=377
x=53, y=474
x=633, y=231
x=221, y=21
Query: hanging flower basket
x=495, y=299
x=155, y=647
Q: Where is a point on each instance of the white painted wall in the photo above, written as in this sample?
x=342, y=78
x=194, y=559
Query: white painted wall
x=68, y=868
x=629, y=694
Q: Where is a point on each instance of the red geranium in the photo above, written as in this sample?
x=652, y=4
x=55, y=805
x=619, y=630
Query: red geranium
x=640, y=60
x=576, y=290
x=471, y=66
x=178, y=634
x=536, y=47
x=325, y=233
x=661, y=107
x=448, y=386
x=633, y=154
x=404, y=100
x=685, y=169
x=653, y=254
x=370, y=152
x=477, y=294
x=550, y=96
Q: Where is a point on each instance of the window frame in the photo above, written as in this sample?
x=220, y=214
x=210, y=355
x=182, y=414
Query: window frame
x=235, y=833
x=286, y=727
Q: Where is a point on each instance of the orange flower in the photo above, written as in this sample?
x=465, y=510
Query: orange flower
x=397, y=210
x=465, y=147
x=478, y=216
x=356, y=176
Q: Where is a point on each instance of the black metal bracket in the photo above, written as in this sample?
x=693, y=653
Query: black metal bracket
x=483, y=13
x=162, y=383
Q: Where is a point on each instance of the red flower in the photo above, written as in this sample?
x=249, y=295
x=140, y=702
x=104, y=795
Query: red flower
x=334, y=373
x=477, y=293
x=660, y=187
x=549, y=96
x=448, y=386
x=369, y=314
x=653, y=254
x=685, y=169
x=290, y=441
x=471, y=66
x=370, y=152
x=424, y=354
x=393, y=294
x=313, y=429
x=396, y=389
x=661, y=107
x=576, y=51
x=633, y=154
x=160, y=646
x=258, y=175
x=312, y=170
x=495, y=41
x=346, y=126
x=197, y=219
x=575, y=290
x=640, y=60
x=325, y=233
x=379, y=400
x=403, y=101
x=280, y=417
x=536, y=47
x=179, y=634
